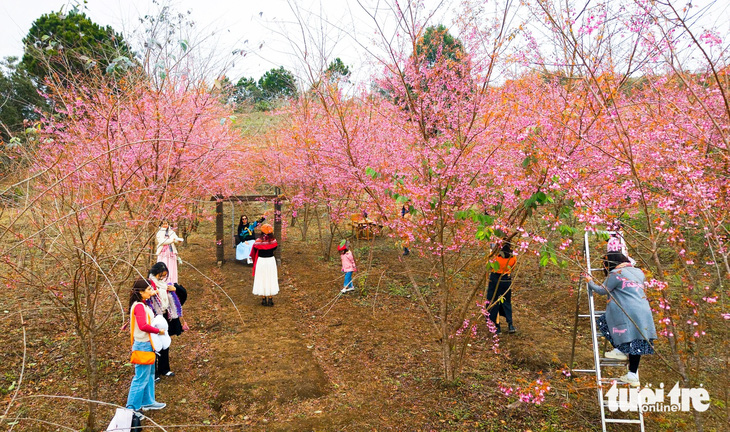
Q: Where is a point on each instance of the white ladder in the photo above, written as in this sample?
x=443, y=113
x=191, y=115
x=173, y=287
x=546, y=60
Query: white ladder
x=598, y=361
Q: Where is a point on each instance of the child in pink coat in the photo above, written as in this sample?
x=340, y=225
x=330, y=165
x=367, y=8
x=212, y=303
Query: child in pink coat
x=348, y=266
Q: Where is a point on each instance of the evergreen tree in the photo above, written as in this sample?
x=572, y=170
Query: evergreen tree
x=70, y=43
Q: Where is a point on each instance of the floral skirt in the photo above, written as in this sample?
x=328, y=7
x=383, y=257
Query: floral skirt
x=635, y=347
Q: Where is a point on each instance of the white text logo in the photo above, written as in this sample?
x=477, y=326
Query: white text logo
x=652, y=400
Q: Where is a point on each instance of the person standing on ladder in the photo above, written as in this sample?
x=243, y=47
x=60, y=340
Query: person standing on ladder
x=628, y=323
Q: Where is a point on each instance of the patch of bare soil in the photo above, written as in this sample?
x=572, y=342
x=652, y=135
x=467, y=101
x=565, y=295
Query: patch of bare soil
x=317, y=360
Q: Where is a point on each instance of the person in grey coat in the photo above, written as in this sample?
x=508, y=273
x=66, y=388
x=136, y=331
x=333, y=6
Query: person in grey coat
x=628, y=323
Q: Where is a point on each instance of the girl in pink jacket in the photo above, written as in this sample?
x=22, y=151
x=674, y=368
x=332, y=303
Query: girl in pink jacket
x=348, y=266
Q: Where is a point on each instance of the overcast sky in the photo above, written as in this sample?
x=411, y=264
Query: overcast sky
x=264, y=29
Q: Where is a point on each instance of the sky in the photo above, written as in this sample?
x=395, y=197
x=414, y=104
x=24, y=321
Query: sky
x=266, y=31
x=262, y=29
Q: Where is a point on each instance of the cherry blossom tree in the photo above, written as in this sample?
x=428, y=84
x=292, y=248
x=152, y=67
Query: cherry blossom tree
x=116, y=158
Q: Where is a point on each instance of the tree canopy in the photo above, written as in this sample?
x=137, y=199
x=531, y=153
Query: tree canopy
x=274, y=84
x=337, y=70
x=278, y=83
x=70, y=43
x=436, y=41
x=19, y=98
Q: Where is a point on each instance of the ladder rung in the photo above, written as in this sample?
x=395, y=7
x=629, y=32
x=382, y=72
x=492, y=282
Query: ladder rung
x=613, y=362
x=623, y=421
x=595, y=314
x=597, y=269
x=584, y=370
x=607, y=381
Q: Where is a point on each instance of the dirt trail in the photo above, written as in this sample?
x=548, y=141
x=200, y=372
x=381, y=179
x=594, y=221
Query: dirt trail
x=245, y=363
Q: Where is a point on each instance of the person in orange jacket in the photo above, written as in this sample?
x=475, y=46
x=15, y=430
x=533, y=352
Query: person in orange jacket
x=500, y=282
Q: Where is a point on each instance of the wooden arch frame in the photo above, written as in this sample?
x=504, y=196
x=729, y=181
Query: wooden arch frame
x=220, y=199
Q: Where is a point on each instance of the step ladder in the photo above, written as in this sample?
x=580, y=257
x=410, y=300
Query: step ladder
x=598, y=361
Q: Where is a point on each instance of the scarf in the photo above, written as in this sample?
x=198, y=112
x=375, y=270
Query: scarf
x=164, y=300
x=267, y=242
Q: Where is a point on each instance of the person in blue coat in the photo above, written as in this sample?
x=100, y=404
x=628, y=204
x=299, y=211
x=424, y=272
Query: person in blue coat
x=628, y=323
x=246, y=237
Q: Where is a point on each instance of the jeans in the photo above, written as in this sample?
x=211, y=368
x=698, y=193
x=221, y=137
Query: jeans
x=142, y=389
x=348, y=280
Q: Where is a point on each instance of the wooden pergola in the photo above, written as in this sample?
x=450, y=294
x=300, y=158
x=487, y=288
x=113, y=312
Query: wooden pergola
x=220, y=199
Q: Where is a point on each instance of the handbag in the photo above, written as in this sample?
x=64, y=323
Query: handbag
x=125, y=420
x=141, y=357
x=136, y=425
x=182, y=293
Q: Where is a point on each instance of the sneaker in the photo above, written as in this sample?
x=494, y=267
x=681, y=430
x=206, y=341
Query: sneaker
x=615, y=354
x=170, y=374
x=511, y=329
x=347, y=290
x=249, y=261
x=631, y=379
x=499, y=330
x=153, y=406
x=157, y=379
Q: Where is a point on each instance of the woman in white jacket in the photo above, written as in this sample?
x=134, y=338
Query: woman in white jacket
x=166, y=250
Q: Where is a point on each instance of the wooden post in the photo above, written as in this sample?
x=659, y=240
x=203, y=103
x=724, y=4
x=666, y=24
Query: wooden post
x=277, y=225
x=219, y=251
x=220, y=199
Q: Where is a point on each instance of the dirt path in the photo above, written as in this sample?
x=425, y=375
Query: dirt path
x=245, y=362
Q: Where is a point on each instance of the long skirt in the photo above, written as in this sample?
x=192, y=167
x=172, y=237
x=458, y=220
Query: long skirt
x=169, y=257
x=266, y=279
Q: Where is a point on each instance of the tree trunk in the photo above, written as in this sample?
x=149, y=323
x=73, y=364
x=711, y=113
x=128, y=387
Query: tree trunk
x=88, y=346
x=92, y=370
x=686, y=382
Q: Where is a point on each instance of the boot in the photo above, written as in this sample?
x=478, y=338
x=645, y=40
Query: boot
x=271, y=301
x=511, y=329
x=263, y=301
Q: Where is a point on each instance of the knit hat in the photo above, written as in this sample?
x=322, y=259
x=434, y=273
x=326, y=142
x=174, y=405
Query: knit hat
x=267, y=229
x=342, y=246
x=614, y=244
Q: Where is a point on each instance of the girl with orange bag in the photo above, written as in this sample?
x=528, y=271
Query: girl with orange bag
x=142, y=390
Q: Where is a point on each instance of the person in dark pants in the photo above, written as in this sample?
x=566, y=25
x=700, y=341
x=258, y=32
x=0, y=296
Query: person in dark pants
x=403, y=213
x=167, y=301
x=499, y=294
